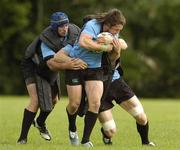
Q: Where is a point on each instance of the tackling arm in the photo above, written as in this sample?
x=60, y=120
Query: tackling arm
x=61, y=56
x=56, y=66
x=62, y=61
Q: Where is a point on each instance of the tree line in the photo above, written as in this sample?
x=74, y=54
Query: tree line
x=151, y=63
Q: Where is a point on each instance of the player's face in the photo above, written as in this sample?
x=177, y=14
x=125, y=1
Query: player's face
x=113, y=29
x=63, y=30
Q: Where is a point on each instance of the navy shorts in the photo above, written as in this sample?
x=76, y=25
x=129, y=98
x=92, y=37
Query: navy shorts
x=77, y=77
x=73, y=77
x=118, y=91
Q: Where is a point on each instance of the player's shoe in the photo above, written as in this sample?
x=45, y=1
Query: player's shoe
x=45, y=134
x=150, y=144
x=87, y=144
x=73, y=138
x=22, y=141
x=106, y=140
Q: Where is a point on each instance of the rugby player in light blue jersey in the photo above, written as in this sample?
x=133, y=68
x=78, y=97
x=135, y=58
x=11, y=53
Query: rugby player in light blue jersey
x=90, y=51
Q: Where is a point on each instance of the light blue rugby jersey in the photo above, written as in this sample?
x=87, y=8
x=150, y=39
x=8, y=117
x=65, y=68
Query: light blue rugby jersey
x=68, y=48
x=46, y=51
x=93, y=59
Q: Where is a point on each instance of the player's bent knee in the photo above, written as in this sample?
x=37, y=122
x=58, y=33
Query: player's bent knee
x=33, y=107
x=34, y=103
x=109, y=127
x=141, y=119
x=135, y=111
x=94, y=106
x=73, y=106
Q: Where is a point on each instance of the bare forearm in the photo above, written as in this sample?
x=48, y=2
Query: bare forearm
x=61, y=57
x=87, y=43
x=56, y=66
x=90, y=45
x=73, y=64
x=114, y=55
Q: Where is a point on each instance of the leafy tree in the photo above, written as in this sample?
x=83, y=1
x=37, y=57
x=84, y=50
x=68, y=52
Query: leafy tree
x=13, y=23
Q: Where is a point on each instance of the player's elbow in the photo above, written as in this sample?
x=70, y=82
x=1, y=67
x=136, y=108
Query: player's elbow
x=51, y=65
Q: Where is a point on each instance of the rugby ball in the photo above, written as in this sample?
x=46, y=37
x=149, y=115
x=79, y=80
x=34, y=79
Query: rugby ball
x=109, y=38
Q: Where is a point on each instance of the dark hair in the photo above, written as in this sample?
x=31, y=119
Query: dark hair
x=112, y=17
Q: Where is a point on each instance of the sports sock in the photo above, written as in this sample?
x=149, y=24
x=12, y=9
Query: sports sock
x=72, y=121
x=26, y=123
x=42, y=118
x=89, y=122
x=143, y=131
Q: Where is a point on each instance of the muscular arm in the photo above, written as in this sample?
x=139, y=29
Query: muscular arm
x=86, y=42
x=57, y=66
x=115, y=53
x=62, y=61
x=61, y=56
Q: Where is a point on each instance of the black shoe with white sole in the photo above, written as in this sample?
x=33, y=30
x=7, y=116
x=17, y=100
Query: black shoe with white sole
x=106, y=140
x=150, y=144
x=22, y=141
x=73, y=138
x=45, y=134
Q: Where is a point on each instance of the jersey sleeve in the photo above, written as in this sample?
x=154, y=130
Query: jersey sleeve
x=47, y=52
x=67, y=48
x=89, y=29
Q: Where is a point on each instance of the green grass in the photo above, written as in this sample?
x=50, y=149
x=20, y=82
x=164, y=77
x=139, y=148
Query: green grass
x=163, y=114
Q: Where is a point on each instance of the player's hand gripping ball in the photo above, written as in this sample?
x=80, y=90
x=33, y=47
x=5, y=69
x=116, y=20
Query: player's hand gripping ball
x=107, y=38
x=123, y=43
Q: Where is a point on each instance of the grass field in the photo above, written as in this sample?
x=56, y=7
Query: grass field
x=164, y=119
